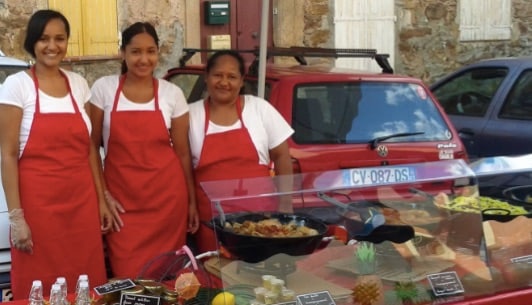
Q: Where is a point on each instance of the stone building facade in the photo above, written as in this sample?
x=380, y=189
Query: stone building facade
x=426, y=32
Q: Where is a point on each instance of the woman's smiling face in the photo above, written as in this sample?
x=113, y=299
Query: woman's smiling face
x=141, y=55
x=224, y=80
x=52, y=46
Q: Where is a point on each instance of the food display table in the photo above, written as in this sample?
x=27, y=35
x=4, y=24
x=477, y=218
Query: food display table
x=442, y=232
x=442, y=241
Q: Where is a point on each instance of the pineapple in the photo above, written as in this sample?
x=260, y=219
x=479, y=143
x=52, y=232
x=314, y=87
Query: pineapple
x=368, y=289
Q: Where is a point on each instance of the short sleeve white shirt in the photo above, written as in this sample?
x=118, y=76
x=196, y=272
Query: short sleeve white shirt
x=19, y=90
x=172, y=101
x=266, y=127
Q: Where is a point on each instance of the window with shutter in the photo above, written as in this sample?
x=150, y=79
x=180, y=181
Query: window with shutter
x=485, y=19
x=364, y=24
x=93, y=26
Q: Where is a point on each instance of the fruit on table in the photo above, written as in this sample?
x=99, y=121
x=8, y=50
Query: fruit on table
x=223, y=298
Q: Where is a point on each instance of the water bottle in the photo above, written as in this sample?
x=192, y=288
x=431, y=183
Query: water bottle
x=56, y=296
x=82, y=294
x=61, y=281
x=36, y=295
x=82, y=278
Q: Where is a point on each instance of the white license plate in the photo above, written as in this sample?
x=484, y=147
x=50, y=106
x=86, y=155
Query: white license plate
x=376, y=176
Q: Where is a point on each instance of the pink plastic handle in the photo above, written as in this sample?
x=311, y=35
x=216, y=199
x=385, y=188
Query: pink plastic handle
x=186, y=250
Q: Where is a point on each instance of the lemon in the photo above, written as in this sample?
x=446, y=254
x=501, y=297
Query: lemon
x=223, y=298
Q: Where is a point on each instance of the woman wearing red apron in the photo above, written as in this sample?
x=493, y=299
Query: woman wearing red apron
x=232, y=137
x=52, y=195
x=145, y=164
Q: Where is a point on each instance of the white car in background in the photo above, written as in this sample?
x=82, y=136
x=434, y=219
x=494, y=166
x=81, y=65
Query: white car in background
x=8, y=66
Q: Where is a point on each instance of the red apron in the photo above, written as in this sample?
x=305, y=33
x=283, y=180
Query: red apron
x=60, y=204
x=225, y=155
x=144, y=174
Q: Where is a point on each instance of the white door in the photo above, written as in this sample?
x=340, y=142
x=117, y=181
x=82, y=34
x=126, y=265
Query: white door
x=364, y=24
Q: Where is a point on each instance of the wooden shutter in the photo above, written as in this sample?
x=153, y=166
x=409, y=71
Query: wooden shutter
x=100, y=27
x=485, y=19
x=72, y=11
x=93, y=26
x=366, y=24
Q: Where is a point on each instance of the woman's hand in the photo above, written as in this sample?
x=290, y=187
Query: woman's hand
x=20, y=231
x=106, y=218
x=115, y=209
x=193, y=219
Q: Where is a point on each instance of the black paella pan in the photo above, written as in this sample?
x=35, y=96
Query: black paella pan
x=253, y=249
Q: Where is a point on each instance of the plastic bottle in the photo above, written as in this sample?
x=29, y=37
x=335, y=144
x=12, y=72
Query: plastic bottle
x=82, y=294
x=61, y=281
x=56, y=297
x=82, y=277
x=36, y=295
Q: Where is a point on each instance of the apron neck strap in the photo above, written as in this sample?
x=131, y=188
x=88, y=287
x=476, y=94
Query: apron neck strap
x=36, y=84
x=207, y=112
x=121, y=82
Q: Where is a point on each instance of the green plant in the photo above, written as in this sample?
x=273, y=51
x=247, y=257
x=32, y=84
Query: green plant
x=406, y=291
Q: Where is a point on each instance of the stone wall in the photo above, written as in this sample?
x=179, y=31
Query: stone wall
x=167, y=16
x=428, y=44
x=427, y=35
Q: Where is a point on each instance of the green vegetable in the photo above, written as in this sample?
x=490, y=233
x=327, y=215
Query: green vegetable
x=482, y=203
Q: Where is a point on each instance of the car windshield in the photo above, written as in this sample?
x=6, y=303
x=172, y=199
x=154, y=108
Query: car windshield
x=365, y=112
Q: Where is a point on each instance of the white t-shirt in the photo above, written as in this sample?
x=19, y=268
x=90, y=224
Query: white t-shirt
x=19, y=90
x=266, y=127
x=172, y=101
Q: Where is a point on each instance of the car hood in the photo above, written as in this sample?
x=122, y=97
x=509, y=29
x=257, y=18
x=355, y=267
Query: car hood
x=12, y=62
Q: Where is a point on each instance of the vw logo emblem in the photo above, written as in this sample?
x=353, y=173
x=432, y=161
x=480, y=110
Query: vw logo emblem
x=382, y=151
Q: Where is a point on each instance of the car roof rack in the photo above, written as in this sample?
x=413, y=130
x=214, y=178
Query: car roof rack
x=300, y=53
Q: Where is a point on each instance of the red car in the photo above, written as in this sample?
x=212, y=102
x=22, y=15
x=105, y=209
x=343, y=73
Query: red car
x=374, y=124
x=345, y=118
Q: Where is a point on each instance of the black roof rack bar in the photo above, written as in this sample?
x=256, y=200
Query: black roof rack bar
x=299, y=53
x=189, y=52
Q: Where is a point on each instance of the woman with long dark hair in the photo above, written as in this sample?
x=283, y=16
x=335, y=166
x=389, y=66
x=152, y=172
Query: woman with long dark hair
x=144, y=124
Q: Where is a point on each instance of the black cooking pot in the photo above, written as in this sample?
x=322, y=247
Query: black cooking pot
x=518, y=195
x=253, y=249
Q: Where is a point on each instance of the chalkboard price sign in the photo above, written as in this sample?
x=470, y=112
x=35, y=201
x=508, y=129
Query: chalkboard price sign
x=316, y=298
x=445, y=283
x=138, y=299
x=114, y=286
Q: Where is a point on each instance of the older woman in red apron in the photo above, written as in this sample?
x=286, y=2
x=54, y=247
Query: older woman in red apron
x=147, y=167
x=51, y=195
x=234, y=136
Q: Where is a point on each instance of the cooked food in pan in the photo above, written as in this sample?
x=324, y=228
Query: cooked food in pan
x=270, y=228
x=477, y=204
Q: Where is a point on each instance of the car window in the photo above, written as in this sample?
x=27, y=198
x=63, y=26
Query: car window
x=361, y=112
x=518, y=104
x=471, y=92
x=252, y=87
x=192, y=85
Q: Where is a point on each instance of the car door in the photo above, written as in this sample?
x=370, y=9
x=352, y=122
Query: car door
x=511, y=121
x=469, y=96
